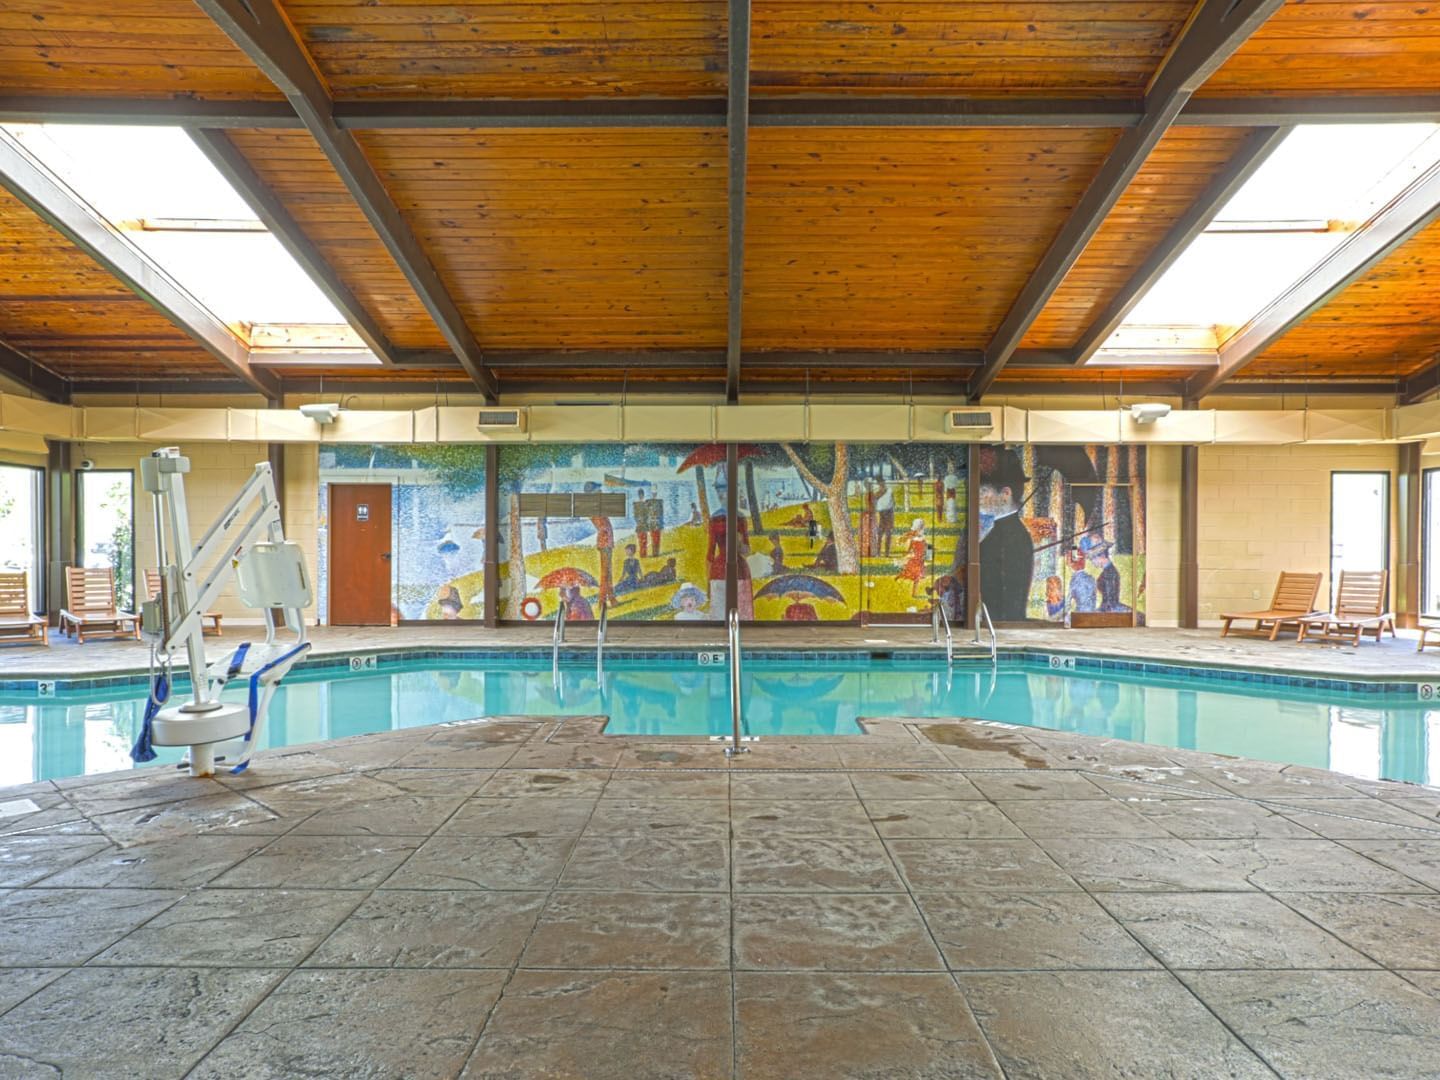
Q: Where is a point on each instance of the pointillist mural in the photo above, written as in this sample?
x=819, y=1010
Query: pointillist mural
x=1062, y=531
x=844, y=531
x=438, y=518
x=642, y=530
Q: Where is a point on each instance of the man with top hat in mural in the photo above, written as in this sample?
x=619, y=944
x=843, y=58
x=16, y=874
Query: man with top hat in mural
x=1007, y=553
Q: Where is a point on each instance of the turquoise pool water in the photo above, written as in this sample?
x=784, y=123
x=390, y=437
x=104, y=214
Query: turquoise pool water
x=1366, y=735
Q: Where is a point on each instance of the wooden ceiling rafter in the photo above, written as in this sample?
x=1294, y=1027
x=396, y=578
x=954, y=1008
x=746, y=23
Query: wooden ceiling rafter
x=263, y=33
x=241, y=175
x=1216, y=28
x=1389, y=228
x=59, y=208
x=37, y=378
x=1253, y=153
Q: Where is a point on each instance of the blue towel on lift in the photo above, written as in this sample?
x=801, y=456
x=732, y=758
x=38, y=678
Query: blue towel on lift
x=143, y=750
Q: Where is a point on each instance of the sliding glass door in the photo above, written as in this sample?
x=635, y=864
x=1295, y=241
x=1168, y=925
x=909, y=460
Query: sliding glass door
x=22, y=523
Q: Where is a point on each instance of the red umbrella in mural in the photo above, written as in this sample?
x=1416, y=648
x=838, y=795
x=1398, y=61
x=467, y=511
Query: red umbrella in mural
x=565, y=577
x=713, y=454
x=799, y=588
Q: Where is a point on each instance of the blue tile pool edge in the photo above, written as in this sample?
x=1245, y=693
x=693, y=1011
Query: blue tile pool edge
x=1030, y=657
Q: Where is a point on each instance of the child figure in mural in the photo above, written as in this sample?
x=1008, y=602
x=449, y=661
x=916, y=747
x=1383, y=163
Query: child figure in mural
x=715, y=560
x=687, y=602
x=695, y=516
x=1054, y=597
x=1007, y=553
x=952, y=495
x=629, y=572
x=918, y=550
x=884, y=517
x=447, y=599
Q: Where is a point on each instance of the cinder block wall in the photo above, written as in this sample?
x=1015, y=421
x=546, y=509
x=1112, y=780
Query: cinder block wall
x=1264, y=509
x=1162, y=534
x=217, y=472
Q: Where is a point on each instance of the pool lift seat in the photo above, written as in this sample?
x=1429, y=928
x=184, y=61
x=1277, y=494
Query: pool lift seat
x=247, y=543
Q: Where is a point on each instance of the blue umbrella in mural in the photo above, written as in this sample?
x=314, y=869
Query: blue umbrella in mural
x=799, y=589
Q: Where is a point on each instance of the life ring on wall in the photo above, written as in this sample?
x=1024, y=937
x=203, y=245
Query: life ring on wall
x=530, y=609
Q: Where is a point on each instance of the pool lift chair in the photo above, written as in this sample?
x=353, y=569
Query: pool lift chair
x=270, y=574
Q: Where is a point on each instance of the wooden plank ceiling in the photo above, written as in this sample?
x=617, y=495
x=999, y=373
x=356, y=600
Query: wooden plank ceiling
x=875, y=239
x=613, y=240
x=65, y=312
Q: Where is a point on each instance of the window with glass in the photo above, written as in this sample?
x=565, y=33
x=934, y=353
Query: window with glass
x=22, y=523
x=107, y=527
x=1359, y=523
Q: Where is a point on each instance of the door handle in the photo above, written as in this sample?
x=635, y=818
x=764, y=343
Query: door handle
x=385, y=555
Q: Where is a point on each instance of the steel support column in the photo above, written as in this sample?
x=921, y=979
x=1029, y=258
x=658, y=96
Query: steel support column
x=1409, y=507
x=973, y=584
x=492, y=536
x=1189, y=536
x=732, y=532
x=60, y=526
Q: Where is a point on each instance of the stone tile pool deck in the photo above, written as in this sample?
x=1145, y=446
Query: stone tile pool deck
x=523, y=897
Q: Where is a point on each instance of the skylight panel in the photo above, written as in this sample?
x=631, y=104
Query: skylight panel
x=1320, y=185
x=155, y=186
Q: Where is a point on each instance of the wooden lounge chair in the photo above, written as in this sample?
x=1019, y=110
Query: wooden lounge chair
x=1359, y=610
x=17, y=621
x=152, y=590
x=90, y=607
x=1294, y=599
x=1426, y=633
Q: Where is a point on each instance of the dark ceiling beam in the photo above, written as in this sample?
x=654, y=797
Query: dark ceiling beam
x=1215, y=30
x=234, y=166
x=737, y=143
x=34, y=185
x=713, y=383
x=1327, y=109
x=37, y=378
x=263, y=33
x=717, y=359
x=1396, y=222
x=1250, y=156
x=1422, y=384
x=798, y=111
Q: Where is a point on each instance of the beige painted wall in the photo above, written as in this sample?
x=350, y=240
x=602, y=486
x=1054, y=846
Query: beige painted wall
x=217, y=472
x=1162, y=536
x=1264, y=509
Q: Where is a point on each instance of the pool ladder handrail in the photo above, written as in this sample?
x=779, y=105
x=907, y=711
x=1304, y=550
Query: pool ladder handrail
x=984, y=613
x=601, y=630
x=733, y=628
x=940, y=617
x=558, y=638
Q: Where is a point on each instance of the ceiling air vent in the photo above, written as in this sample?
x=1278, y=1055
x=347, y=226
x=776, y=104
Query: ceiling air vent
x=501, y=420
x=973, y=420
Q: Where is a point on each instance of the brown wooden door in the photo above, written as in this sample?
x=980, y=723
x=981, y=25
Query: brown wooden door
x=360, y=556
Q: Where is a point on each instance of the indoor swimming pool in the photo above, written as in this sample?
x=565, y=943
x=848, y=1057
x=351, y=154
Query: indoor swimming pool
x=1369, y=735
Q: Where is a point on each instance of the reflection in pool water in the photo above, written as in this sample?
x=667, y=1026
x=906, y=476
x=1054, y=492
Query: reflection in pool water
x=1364, y=735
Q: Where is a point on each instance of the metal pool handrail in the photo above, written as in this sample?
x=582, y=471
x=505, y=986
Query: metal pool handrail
x=940, y=617
x=600, y=632
x=558, y=638
x=984, y=613
x=734, y=635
